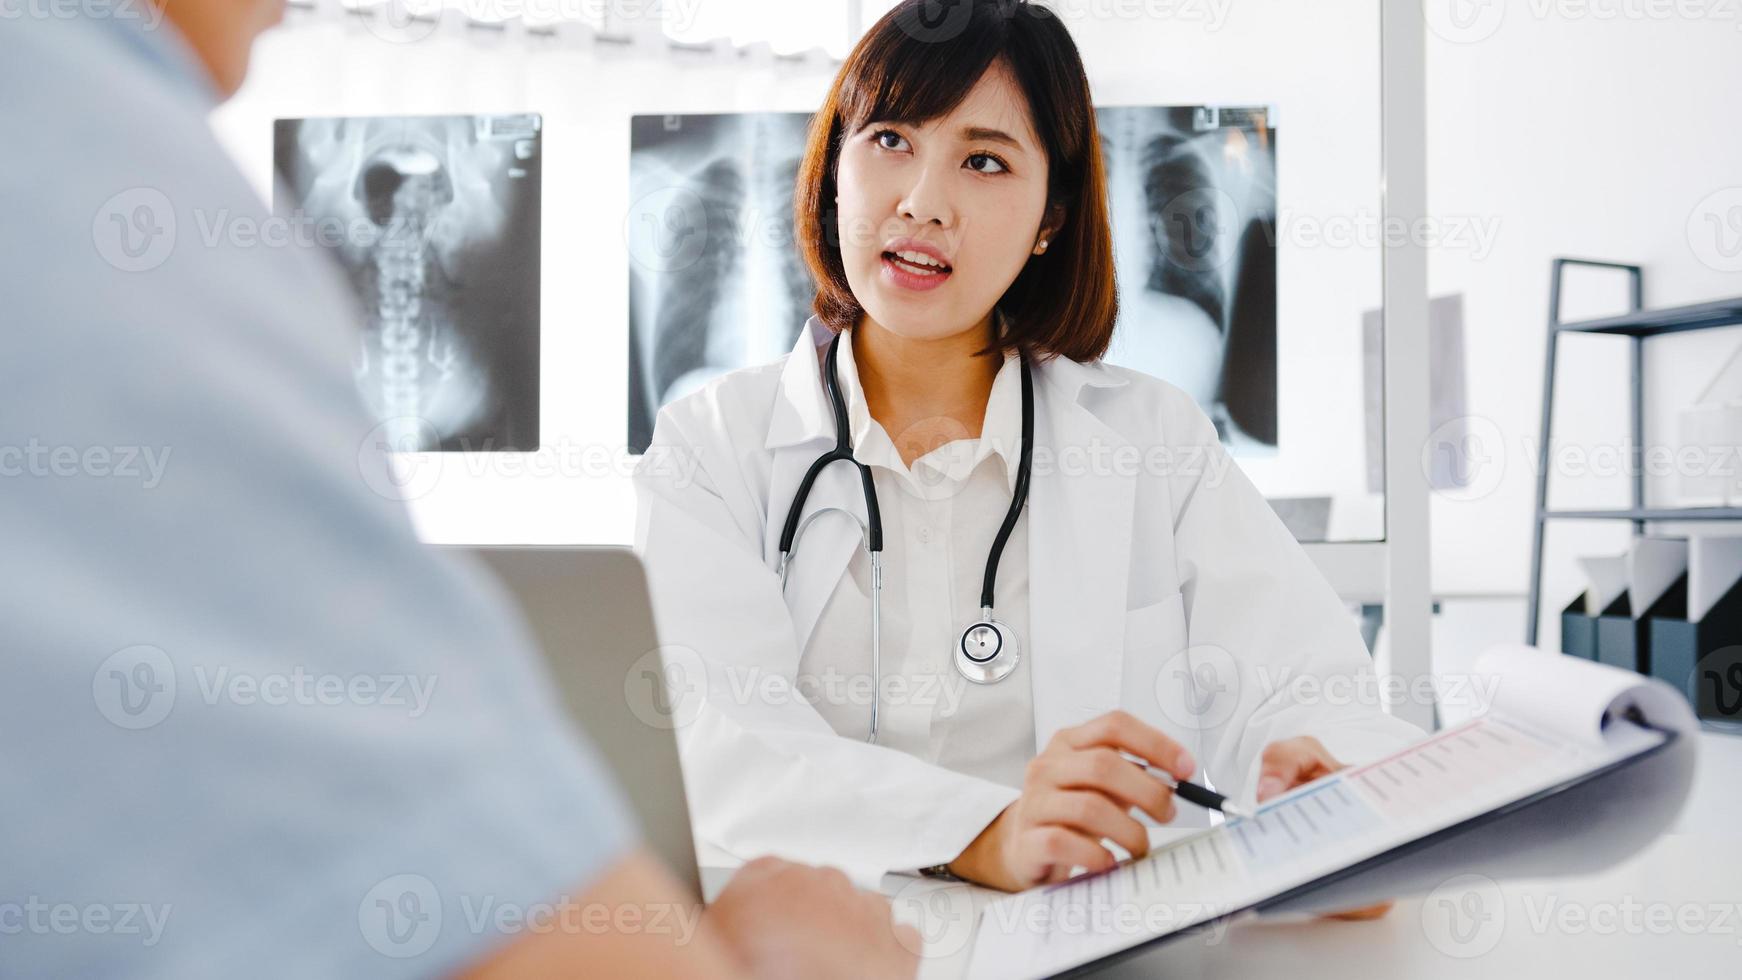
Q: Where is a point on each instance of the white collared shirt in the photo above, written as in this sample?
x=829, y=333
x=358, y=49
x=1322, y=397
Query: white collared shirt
x=940, y=518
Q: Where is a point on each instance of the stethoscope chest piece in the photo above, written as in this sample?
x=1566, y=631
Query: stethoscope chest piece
x=987, y=651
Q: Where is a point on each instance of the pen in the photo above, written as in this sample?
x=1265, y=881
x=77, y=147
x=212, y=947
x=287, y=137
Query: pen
x=1192, y=792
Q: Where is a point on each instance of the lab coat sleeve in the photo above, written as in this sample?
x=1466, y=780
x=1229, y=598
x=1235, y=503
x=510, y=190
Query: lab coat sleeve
x=765, y=773
x=1263, y=620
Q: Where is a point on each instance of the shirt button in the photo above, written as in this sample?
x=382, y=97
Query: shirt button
x=925, y=535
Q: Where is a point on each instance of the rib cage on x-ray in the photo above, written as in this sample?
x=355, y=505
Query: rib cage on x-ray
x=715, y=280
x=436, y=222
x=1192, y=194
x=717, y=284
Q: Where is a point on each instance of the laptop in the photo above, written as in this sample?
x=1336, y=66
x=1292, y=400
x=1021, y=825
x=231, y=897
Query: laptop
x=589, y=610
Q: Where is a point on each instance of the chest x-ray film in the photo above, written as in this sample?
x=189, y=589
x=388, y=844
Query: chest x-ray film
x=435, y=220
x=1192, y=195
x=715, y=278
x=716, y=282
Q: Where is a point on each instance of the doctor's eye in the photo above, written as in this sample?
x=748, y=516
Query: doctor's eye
x=901, y=145
x=1002, y=166
x=877, y=138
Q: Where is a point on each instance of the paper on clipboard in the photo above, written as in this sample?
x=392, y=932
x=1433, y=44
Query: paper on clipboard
x=1552, y=779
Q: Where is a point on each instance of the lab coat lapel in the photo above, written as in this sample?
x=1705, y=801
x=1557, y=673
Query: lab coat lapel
x=1079, y=541
x=801, y=429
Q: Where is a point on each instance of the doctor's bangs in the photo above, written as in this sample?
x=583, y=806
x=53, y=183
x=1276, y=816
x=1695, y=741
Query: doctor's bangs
x=918, y=63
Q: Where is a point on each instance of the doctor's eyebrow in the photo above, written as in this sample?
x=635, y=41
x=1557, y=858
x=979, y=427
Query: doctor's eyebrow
x=968, y=134
x=977, y=133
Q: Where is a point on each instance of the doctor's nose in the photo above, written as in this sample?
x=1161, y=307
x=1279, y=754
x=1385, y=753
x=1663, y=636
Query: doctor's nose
x=927, y=203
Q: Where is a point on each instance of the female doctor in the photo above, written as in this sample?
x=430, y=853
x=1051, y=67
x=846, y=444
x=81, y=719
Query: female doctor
x=924, y=583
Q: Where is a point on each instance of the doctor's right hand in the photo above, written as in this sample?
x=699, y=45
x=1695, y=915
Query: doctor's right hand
x=1075, y=793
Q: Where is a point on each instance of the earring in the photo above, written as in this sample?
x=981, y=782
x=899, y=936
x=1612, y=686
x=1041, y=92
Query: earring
x=1042, y=247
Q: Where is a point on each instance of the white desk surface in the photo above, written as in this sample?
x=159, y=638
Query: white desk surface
x=1673, y=911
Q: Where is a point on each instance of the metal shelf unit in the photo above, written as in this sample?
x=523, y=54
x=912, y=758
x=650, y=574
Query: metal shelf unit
x=1637, y=324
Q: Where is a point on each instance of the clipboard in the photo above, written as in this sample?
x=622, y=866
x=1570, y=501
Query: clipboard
x=1614, y=758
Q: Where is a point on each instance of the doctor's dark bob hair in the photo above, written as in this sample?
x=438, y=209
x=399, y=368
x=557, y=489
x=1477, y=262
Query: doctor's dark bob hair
x=916, y=64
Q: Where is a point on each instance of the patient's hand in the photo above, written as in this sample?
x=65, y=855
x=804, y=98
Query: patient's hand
x=1291, y=762
x=786, y=920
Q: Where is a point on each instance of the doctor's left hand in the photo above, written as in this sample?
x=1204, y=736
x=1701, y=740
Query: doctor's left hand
x=1290, y=763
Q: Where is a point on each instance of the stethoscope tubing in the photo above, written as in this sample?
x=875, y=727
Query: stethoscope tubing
x=872, y=526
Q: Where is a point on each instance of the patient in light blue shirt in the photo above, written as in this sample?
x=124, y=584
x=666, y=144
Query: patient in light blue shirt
x=248, y=726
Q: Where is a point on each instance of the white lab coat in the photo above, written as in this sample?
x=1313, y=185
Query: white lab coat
x=1160, y=582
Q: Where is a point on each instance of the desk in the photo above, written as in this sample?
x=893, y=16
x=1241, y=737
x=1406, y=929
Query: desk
x=1673, y=911
x=1621, y=924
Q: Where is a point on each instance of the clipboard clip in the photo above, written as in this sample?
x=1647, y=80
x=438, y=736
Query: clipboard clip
x=1631, y=712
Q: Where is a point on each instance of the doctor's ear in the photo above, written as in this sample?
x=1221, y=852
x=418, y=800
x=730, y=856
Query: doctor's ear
x=1055, y=219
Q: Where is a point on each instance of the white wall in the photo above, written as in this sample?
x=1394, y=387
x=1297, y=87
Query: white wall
x=1590, y=137
x=1317, y=64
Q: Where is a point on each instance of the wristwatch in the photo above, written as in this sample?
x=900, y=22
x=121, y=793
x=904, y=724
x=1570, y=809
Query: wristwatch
x=941, y=871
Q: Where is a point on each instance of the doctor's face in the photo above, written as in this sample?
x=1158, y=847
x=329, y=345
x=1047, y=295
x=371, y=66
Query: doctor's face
x=967, y=189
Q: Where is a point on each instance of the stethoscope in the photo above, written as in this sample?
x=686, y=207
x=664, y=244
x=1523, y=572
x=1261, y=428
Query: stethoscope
x=987, y=650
